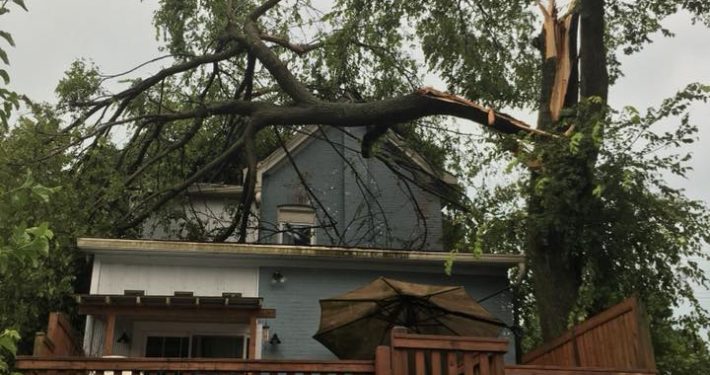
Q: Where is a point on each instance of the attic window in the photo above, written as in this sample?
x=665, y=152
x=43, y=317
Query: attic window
x=296, y=225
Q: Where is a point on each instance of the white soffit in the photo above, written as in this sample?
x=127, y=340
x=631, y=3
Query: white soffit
x=268, y=251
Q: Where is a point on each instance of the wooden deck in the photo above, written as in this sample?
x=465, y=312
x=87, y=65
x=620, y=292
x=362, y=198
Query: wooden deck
x=615, y=342
x=407, y=354
x=149, y=366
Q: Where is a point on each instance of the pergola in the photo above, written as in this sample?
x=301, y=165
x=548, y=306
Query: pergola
x=181, y=307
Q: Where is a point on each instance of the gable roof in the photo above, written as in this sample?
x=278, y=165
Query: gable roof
x=445, y=185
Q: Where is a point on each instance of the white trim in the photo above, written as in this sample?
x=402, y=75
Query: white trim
x=282, y=229
x=266, y=251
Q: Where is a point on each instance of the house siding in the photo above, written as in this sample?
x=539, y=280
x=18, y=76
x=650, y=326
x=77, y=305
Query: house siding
x=114, y=276
x=298, y=309
x=369, y=203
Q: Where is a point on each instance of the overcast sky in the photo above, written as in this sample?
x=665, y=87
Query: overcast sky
x=118, y=35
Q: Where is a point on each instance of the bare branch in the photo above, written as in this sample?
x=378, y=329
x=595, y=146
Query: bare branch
x=250, y=183
x=297, y=48
x=130, y=93
x=288, y=82
x=178, y=188
x=306, y=186
x=183, y=141
x=263, y=8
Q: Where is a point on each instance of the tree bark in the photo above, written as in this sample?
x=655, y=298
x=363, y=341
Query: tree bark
x=557, y=232
x=594, y=75
x=558, y=238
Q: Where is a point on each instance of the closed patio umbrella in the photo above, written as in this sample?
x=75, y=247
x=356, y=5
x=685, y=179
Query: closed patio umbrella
x=354, y=324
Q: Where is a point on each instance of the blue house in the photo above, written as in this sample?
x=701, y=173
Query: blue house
x=356, y=220
x=392, y=202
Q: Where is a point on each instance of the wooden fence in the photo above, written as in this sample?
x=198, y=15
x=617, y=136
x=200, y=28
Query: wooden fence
x=60, y=339
x=162, y=366
x=407, y=354
x=559, y=370
x=618, y=337
x=436, y=355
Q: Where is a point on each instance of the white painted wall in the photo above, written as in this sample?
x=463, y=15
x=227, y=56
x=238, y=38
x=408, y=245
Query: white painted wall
x=164, y=276
x=110, y=277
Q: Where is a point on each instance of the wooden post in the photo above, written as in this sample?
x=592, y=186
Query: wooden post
x=383, y=360
x=399, y=356
x=252, y=337
x=109, y=334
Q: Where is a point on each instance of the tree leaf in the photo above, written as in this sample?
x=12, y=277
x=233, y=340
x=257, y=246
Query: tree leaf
x=21, y=3
x=5, y=76
x=3, y=56
x=7, y=37
x=8, y=340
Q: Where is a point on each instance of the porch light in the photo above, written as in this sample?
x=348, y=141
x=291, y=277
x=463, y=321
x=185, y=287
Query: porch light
x=275, y=340
x=124, y=339
x=265, y=332
x=277, y=278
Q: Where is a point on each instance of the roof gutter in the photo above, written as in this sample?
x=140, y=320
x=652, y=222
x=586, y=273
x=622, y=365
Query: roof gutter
x=120, y=246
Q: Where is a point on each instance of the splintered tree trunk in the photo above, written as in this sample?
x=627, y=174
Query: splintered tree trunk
x=558, y=234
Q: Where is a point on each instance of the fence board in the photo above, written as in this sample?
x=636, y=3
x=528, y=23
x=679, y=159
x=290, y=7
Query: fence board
x=60, y=339
x=616, y=338
x=560, y=370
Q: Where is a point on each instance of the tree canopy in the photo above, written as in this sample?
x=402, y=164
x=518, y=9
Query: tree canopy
x=585, y=196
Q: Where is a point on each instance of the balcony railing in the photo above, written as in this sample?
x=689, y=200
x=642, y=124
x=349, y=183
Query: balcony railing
x=407, y=354
x=148, y=366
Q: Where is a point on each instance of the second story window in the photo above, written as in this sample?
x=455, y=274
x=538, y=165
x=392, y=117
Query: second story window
x=296, y=225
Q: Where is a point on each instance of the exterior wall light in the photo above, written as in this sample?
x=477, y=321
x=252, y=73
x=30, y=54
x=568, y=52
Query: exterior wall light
x=275, y=340
x=277, y=278
x=124, y=339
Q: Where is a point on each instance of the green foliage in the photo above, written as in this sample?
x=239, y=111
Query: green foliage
x=79, y=84
x=633, y=232
x=41, y=215
x=637, y=235
x=8, y=349
x=633, y=24
x=22, y=249
x=9, y=99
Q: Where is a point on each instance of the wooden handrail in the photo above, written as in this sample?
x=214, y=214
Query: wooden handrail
x=623, y=307
x=618, y=337
x=564, y=370
x=29, y=363
x=479, y=344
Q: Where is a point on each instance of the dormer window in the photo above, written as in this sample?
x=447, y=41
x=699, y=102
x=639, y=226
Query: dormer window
x=296, y=225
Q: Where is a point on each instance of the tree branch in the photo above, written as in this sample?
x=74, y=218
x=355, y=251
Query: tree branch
x=178, y=188
x=299, y=49
x=288, y=82
x=425, y=102
x=250, y=183
x=126, y=95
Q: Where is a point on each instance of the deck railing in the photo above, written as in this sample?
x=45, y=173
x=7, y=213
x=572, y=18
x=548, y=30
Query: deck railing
x=436, y=355
x=149, y=366
x=194, y=366
x=407, y=354
x=559, y=370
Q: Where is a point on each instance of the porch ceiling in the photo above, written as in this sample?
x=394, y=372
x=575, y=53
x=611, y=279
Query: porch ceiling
x=225, y=309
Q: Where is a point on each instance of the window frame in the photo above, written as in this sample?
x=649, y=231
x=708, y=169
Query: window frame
x=190, y=340
x=296, y=215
